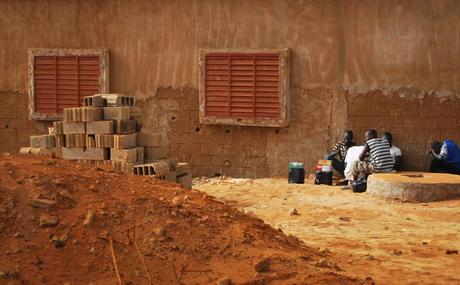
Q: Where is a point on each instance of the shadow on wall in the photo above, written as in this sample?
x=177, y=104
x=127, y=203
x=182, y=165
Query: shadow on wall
x=415, y=120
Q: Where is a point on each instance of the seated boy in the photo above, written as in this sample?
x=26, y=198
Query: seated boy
x=339, y=152
x=379, y=153
x=352, y=157
x=394, y=150
x=445, y=157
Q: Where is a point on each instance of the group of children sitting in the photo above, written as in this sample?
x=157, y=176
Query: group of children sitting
x=378, y=154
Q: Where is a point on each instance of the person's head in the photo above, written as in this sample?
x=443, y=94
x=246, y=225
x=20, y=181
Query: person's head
x=371, y=134
x=436, y=147
x=389, y=137
x=348, y=137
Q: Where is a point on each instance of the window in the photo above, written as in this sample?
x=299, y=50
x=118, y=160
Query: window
x=244, y=87
x=60, y=78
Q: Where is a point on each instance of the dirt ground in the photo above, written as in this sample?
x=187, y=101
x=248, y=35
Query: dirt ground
x=391, y=241
x=68, y=223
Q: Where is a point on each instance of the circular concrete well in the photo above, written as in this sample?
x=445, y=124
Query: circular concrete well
x=414, y=186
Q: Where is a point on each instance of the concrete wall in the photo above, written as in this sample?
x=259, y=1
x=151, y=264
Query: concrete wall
x=401, y=58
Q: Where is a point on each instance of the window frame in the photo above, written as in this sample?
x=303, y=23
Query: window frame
x=283, y=90
x=33, y=52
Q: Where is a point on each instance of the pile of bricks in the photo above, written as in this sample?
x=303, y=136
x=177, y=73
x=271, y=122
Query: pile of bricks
x=105, y=131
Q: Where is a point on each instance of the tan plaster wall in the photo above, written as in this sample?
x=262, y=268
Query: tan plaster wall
x=342, y=53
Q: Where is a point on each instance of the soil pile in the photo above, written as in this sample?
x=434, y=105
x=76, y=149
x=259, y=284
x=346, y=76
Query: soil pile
x=68, y=223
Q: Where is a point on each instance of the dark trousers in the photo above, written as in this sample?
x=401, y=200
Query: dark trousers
x=442, y=166
x=338, y=165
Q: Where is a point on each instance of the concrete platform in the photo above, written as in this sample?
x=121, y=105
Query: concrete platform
x=416, y=187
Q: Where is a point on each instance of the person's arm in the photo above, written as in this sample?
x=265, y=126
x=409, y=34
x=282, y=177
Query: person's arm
x=442, y=155
x=334, y=151
x=436, y=156
x=443, y=152
x=365, y=151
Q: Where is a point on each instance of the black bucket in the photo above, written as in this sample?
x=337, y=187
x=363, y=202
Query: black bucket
x=359, y=186
x=323, y=177
x=296, y=176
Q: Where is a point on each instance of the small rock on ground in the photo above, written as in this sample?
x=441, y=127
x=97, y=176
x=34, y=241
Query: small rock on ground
x=263, y=266
x=224, y=281
x=368, y=281
x=327, y=263
x=41, y=203
x=89, y=218
x=48, y=221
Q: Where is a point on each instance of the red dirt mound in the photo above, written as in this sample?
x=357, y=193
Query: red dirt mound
x=68, y=223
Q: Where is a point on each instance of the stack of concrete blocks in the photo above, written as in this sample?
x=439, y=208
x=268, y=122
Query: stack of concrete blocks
x=43, y=144
x=157, y=163
x=76, y=134
x=106, y=130
x=116, y=132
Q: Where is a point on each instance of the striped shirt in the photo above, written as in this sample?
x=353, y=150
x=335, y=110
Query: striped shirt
x=379, y=149
x=341, y=149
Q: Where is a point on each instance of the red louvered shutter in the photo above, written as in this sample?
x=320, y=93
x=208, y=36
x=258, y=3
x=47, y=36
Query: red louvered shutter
x=244, y=86
x=62, y=81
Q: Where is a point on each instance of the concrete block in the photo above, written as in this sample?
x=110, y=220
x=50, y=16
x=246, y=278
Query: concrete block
x=147, y=139
x=53, y=152
x=124, y=167
x=90, y=114
x=118, y=100
x=60, y=140
x=171, y=176
x=135, y=113
x=94, y=101
x=150, y=169
x=116, y=113
x=135, y=154
x=90, y=140
x=83, y=114
x=75, y=140
x=140, y=154
x=155, y=152
x=43, y=141
x=185, y=180
x=182, y=168
x=124, y=141
x=125, y=126
x=100, y=127
x=58, y=129
x=73, y=128
x=104, y=141
x=79, y=153
x=172, y=163
x=25, y=150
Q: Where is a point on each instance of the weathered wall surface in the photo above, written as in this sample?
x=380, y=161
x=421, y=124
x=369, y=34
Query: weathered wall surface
x=345, y=55
x=414, y=121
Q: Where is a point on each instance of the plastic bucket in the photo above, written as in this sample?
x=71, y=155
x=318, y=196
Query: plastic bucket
x=296, y=173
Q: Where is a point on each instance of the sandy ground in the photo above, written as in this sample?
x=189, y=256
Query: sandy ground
x=391, y=241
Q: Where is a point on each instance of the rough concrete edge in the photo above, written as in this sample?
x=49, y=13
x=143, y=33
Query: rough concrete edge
x=284, y=91
x=404, y=92
x=32, y=52
x=405, y=194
